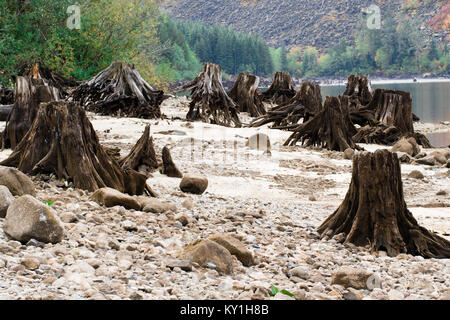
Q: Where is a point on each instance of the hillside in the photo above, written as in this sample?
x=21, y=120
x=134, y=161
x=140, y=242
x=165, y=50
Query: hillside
x=303, y=23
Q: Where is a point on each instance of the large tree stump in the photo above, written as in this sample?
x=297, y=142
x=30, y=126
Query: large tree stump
x=210, y=103
x=120, y=90
x=306, y=103
x=374, y=211
x=142, y=157
x=359, y=86
x=331, y=128
x=29, y=93
x=62, y=141
x=244, y=93
x=281, y=90
x=5, y=110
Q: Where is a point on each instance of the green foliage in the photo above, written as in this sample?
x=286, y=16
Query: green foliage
x=275, y=290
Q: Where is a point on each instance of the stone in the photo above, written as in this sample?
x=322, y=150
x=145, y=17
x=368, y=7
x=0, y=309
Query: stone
x=183, y=219
x=395, y=295
x=6, y=198
x=403, y=157
x=28, y=218
x=187, y=204
x=352, y=294
x=351, y=277
x=439, y=156
x=30, y=263
x=68, y=217
x=17, y=182
x=194, y=184
x=235, y=247
x=408, y=146
x=207, y=251
x=300, y=272
x=421, y=155
x=112, y=197
x=312, y=198
x=129, y=225
x=258, y=141
x=349, y=153
x=156, y=206
x=429, y=161
x=415, y=174
x=441, y=193
x=184, y=265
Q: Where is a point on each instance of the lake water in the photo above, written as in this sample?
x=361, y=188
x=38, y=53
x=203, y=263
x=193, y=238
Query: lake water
x=431, y=103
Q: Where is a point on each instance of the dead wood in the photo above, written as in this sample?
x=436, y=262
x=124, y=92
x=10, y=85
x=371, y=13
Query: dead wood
x=281, y=90
x=244, y=93
x=168, y=166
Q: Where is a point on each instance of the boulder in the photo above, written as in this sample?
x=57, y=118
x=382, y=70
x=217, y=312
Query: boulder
x=349, y=153
x=207, y=251
x=258, y=141
x=28, y=218
x=6, y=198
x=439, y=156
x=194, y=184
x=351, y=277
x=235, y=247
x=16, y=181
x=112, y=197
x=429, y=161
x=415, y=174
x=408, y=146
x=155, y=206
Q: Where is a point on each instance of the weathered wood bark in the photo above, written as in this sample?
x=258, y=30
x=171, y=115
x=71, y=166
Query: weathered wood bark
x=359, y=86
x=120, y=90
x=331, y=128
x=168, y=166
x=244, y=93
x=29, y=93
x=142, y=156
x=5, y=110
x=374, y=211
x=63, y=141
x=306, y=103
x=281, y=90
x=6, y=96
x=210, y=103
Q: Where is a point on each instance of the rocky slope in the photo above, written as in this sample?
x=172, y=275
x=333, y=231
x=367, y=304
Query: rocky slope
x=315, y=23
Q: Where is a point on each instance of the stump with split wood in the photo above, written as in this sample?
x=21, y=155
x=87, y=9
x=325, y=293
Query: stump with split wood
x=359, y=87
x=281, y=90
x=331, y=128
x=244, y=93
x=29, y=93
x=210, y=103
x=306, y=103
x=62, y=141
x=374, y=212
x=119, y=90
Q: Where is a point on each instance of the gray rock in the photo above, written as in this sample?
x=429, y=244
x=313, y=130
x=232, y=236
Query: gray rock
x=349, y=153
x=184, y=265
x=155, y=206
x=415, y=174
x=194, y=184
x=27, y=218
x=17, y=182
x=429, y=161
x=408, y=146
x=351, y=277
x=6, y=198
x=301, y=272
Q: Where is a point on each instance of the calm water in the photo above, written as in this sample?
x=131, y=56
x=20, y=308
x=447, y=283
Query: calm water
x=431, y=103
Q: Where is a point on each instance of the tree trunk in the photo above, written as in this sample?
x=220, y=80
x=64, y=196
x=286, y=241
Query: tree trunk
x=5, y=111
x=306, y=103
x=120, y=90
x=142, y=157
x=374, y=211
x=210, y=103
x=169, y=168
x=359, y=87
x=281, y=91
x=29, y=93
x=331, y=128
x=244, y=93
x=63, y=141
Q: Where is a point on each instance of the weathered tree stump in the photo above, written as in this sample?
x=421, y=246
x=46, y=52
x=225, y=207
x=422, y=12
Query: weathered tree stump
x=244, y=93
x=5, y=110
x=62, y=141
x=29, y=93
x=210, y=103
x=306, y=103
x=142, y=157
x=6, y=96
x=281, y=90
x=168, y=166
x=374, y=212
x=331, y=128
x=359, y=86
x=119, y=90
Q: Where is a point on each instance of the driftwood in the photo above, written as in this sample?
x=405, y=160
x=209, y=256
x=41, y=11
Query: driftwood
x=62, y=141
x=331, y=128
x=168, y=166
x=306, y=103
x=244, y=93
x=210, y=103
x=374, y=212
x=281, y=90
x=29, y=93
x=119, y=90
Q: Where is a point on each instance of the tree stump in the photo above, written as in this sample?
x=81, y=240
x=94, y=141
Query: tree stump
x=119, y=90
x=6, y=96
x=331, y=128
x=306, y=103
x=210, y=103
x=359, y=86
x=29, y=93
x=244, y=93
x=142, y=157
x=374, y=211
x=5, y=110
x=62, y=141
x=281, y=90
x=168, y=166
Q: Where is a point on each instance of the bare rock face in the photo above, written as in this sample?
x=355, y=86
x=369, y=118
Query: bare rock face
x=17, y=182
x=206, y=252
x=155, y=206
x=194, y=184
x=6, y=198
x=27, y=218
x=408, y=146
x=351, y=277
x=235, y=247
x=111, y=198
